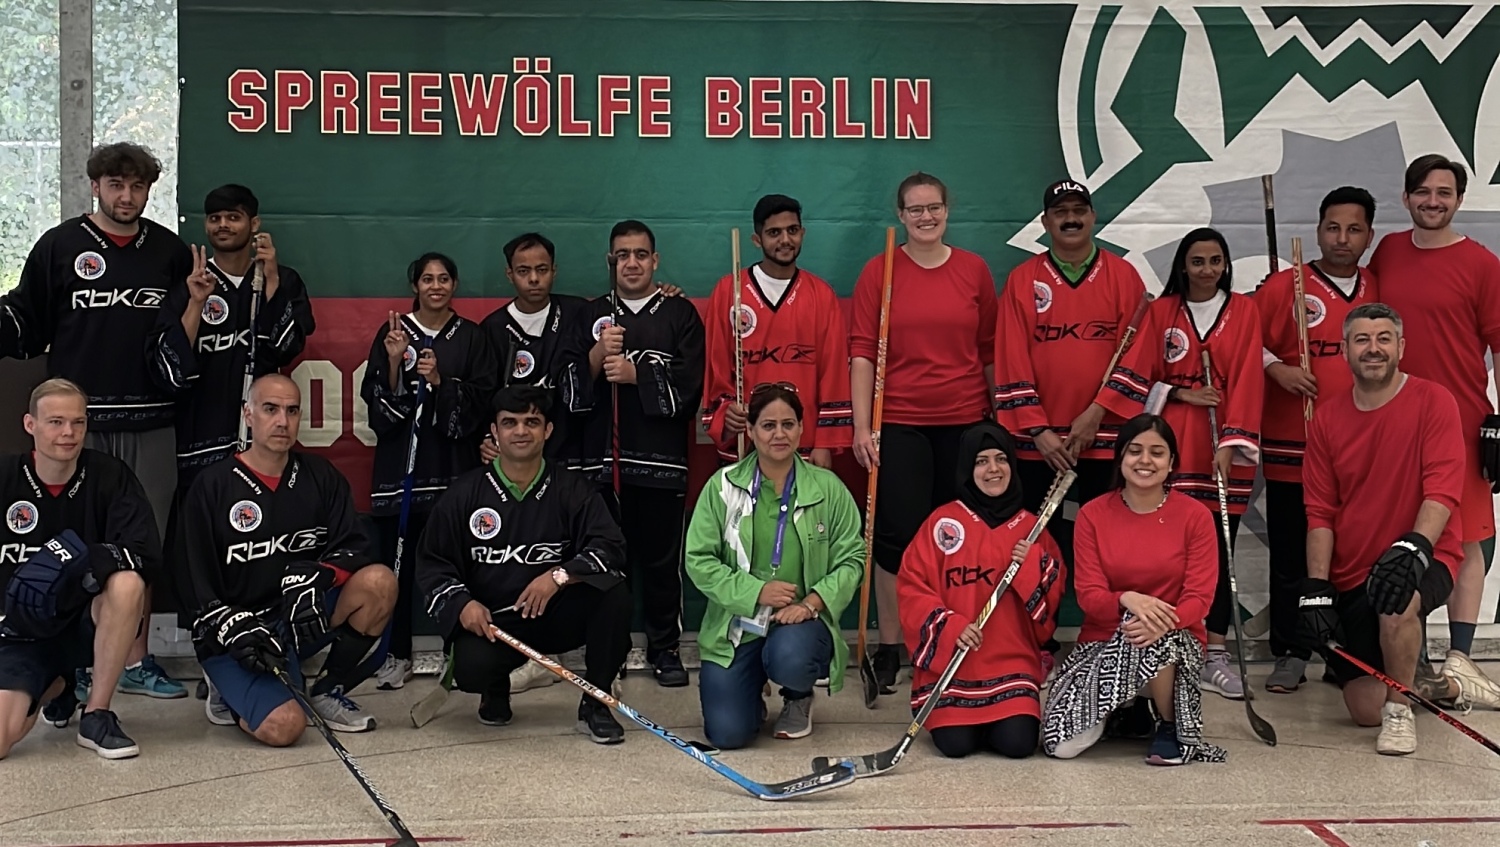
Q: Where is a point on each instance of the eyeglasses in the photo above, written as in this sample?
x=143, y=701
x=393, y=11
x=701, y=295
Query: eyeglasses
x=767, y=386
x=933, y=209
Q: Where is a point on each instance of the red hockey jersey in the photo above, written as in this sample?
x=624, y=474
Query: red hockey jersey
x=947, y=574
x=1168, y=353
x=803, y=340
x=1054, y=342
x=1283, y=427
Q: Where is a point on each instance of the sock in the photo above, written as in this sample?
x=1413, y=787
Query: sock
x=341, y=667
x=1462, y=636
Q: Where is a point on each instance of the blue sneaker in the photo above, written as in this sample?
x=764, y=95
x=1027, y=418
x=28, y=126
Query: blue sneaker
x=1164, y=747
x=83, y=680
x=149, y=679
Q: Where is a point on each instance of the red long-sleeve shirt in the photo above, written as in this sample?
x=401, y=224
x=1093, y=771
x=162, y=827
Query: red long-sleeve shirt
x=1171, y=554
x=942, y=337
x=1366, y=474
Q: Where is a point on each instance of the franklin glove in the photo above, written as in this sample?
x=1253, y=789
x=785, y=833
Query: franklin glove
x=1318, y=619
x=1489, y=451
x=241, y=635
x=304, y=587
x=1398, y=573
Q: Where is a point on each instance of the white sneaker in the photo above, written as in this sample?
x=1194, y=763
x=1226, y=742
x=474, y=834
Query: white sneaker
x=1474, y=688
x=216, y=709
x=394, y=674
x=531, y=675
x=1398, y=730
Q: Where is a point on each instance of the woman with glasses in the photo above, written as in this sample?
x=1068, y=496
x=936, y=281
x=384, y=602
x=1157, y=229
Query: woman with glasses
x=775, y=546
x=939, y=367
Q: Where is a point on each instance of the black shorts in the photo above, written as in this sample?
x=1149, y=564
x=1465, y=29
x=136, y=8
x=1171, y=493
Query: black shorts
x=1359, y=625
x=32, y=666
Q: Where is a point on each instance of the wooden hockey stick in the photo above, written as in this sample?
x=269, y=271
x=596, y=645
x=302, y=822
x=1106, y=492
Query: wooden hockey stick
x=734, y=328
x=877, y=412
x=1125, y=337
x=1268, y=193
x=1299, y=311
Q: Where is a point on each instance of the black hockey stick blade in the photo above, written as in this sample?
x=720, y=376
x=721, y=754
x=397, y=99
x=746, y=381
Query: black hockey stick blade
x=1415, y=698
x=868, y=682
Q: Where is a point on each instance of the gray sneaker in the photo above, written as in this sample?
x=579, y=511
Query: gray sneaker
x=796, y=718
x=217, y=710
x=340, y=713
x=1290, y=673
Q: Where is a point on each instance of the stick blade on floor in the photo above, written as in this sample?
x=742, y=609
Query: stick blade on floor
x=869, y=682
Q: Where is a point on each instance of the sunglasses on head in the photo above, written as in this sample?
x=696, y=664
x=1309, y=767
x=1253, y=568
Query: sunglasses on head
x=767, y=386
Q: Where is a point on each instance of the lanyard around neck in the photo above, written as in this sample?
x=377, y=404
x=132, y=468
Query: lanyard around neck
x=786, y=502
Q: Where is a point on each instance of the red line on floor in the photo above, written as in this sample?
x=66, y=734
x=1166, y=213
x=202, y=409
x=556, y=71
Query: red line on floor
x=799, y=830
x=318, y=842
x=1381, y=821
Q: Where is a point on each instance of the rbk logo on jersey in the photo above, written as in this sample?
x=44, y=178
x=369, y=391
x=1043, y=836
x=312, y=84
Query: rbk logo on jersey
x=520, y=554
x=1080, y=331
x=224, y=341
x=130, y=298
x=16, y=553
x=291, y=542
x=786, y=354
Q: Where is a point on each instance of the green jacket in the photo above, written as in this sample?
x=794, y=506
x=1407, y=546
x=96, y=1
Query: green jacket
x=718, y=539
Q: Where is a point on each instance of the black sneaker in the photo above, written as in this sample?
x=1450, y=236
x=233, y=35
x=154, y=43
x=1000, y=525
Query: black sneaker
x=59, y=711
x=887, y=664
x=494, y=708
x=1136, y=721
x=595, y=721
x=668, y=669
x=1164, y=747
x=100, y=731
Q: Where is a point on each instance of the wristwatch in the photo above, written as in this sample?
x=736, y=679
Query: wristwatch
x=560, y=576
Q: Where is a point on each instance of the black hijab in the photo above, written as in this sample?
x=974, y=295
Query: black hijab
x=992, y=510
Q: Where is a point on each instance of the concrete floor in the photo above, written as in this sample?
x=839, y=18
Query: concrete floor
x=538, y=782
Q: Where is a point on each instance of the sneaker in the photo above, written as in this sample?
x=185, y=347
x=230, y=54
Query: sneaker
x=796, y=718
x=595, y=721
x=668, y=670
x=340, y=713
x=83, y=680
x=219, y=713
x=494, y=708
x=1474, y=688
x=1290, y=672
x=1218, y=678
x=887, y=663
x=1135, y=721
x=394, y=674
x=1398, y=730
x=1164, y=748
x=100, y=731
x=149, y=679
x=532, y=675
x=1429, y=683
x=59, y=710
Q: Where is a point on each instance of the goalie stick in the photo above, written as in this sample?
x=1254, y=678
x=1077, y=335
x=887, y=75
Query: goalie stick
x=875, y=764
x=1414, y=697
x=822, y=779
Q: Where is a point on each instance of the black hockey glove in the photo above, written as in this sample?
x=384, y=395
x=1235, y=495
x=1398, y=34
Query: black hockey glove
x=304, y=587
x=1398, y=573
x=243, y=636
x=1318, y=621
x=1489, y=451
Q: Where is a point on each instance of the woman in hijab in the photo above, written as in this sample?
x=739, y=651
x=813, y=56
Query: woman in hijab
x=949, y=570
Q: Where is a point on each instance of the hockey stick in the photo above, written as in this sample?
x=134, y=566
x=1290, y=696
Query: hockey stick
x=1263, y=729
x=875, y=764
x=1268, y=193
x=1130, y=330
x=257, y=286
x=820, y=780
x=1414, y=697
x=1299, y=312
x=428, y=707
x=614, y=387
x=877, y=412
x=406, y=838
x=734, y=327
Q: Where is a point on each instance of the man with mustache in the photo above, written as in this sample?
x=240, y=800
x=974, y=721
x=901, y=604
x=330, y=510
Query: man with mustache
x=91, y=290
x=1447, y=289
x=1383, y=475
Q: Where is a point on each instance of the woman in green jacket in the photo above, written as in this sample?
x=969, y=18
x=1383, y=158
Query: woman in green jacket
x=775, y=546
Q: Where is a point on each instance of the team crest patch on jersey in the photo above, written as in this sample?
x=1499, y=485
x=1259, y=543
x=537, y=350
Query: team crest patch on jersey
x=948, y=535
x=484, y=523
x=745, y=324
x=524, y=364
x=1316, y=310
x=1042, y=293
x=21, y=517
x=408, y=358
x=245, y=516
x=215, y=309
x=89, y=266
x=602, y=324
x=1174, y=345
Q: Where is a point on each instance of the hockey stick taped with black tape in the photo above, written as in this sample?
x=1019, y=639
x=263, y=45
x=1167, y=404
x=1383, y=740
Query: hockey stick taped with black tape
x=822, y=779
x=875, y=764
x=406, y=839
x=1414, y=697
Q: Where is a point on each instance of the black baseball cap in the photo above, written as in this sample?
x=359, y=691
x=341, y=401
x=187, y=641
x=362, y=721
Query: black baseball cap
x=1058, y=190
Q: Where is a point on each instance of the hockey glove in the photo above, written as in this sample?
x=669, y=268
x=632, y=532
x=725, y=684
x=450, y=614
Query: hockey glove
x=49, y=590
x=1398, y=573
x=1318, y=621
x=1489, y=451
x=243, y=636
x=304, y=587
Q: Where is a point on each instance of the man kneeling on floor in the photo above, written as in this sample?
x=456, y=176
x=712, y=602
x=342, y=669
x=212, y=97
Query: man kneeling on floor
x=77, y=537
x=279, y=571
x=530, y=548
x=1383, y=473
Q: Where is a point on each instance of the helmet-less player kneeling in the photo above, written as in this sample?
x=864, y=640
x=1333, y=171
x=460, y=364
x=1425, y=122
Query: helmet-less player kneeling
x=280, y=571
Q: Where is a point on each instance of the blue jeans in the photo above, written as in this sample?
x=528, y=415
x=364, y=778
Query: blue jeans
x=794, y=657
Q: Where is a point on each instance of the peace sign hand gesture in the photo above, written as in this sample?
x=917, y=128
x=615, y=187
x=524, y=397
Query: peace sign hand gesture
x=396, y=338
x=200, y=282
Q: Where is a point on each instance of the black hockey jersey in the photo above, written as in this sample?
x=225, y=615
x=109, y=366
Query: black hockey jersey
x=657, y=414
x=484, y=543
x=208, y=375
x=104, y=503
x=240, y=533
x=537, y=361
x=455, y=416
x=95, y=304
